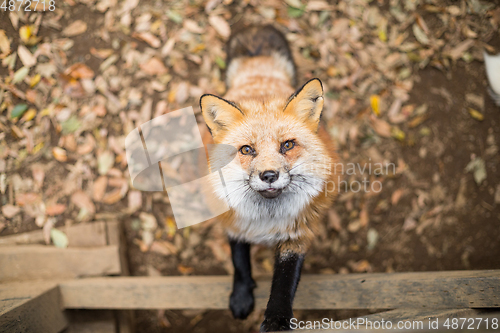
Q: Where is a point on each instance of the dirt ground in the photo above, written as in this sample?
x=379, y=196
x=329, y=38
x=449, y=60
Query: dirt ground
x=405, y=84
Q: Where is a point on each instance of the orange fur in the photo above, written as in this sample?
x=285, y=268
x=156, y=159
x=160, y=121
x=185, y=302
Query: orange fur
x=264, y=116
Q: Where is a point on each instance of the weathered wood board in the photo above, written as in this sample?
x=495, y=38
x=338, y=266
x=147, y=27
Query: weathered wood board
x=406, y=320
x=435, y=290
x=31, y=307
x=91, y=321
x=79, y=235
x=32, y=262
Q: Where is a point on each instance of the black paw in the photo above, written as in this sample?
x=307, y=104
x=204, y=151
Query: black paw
x=241, y=301
x=275, y=324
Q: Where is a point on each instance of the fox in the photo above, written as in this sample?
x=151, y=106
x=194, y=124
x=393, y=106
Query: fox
x=278, y=195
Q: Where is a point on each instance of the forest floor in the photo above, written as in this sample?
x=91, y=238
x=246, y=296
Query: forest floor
x=405, y=87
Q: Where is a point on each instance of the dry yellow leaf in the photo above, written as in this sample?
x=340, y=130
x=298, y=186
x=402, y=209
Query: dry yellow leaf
x=30, y=114
x=35, y=80
x=476, y=114
x=375, y=104
x=25, y=33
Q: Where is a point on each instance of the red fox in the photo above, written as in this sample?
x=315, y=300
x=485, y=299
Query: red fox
x=286, y=161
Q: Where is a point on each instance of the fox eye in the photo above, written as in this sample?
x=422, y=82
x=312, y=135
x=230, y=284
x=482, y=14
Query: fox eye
x=246, y=150
x=288, y=145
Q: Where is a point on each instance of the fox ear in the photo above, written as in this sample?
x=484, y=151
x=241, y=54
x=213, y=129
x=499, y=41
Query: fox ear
x=307, y=103
x=218, y=113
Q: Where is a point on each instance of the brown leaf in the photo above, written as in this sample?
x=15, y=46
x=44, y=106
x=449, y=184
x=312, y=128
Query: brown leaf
x=56, y=209
x=87, y=146
x=79, y=71
x=59, y=154
x=457, y=51
x=192, y=26
x=26, y=57
x=185, y=270
x=360, y=266
x=396, y=196
x=154, y=66
x=101, y=53
x=76, y=28
x=381, y=127
x=334, y=220
x=99, y=188
x=23, y=199
x=82, y=200
x=220, y=25
x=163, y=247
x=134, y=200
x=10, y=211
x=4, y=43
x=148, y=37
x=112, y=197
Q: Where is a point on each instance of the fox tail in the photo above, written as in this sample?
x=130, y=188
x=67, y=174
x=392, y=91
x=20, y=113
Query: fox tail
x=256, y=41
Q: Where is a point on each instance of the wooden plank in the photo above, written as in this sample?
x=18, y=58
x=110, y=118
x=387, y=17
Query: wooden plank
x=79, y=235
x=436, y=290
x=116, y=236
x=419, y=314
x=30, y=262
x=421, y=320
x=91, y=321
x=31, y=307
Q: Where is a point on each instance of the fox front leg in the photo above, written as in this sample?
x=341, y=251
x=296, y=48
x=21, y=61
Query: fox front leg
x=287, y=268
x=241, y=301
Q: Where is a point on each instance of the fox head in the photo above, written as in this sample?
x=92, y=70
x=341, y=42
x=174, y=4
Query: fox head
x=283, y=162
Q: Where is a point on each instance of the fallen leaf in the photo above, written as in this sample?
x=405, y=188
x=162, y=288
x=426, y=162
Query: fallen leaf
x=82, y=200
x=79, y=71
x=334, y=220
x=163, y=247
x=23, y=199
x=99, y=188
x=397, y=133
x=154, y=66
x=18, y=110
x=381, y=127
x=457, y=51
x=20, y=74
x=148, y=221
x=192, y=26
x=4, y=43
x=409, y=224
x=148, y=37
x=59, y=238
x=476, y=114
x=375, y=104
x=112, y=197
x=10, y=211
x=76, y=28
x=105, y=161
x=59, y=154
x=220, y=25
x=26, y=57
x=170, y=227
x=396, y=196
x=185, y=270
x=56, y=209
x=101, y=53
x=134, y=200
x=420, y=35
x=477, y=167
x=360, y=266
x=372, y=238
x=25, y=33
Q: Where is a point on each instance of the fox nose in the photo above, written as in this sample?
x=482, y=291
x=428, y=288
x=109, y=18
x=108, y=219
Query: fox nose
x=269, y=176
